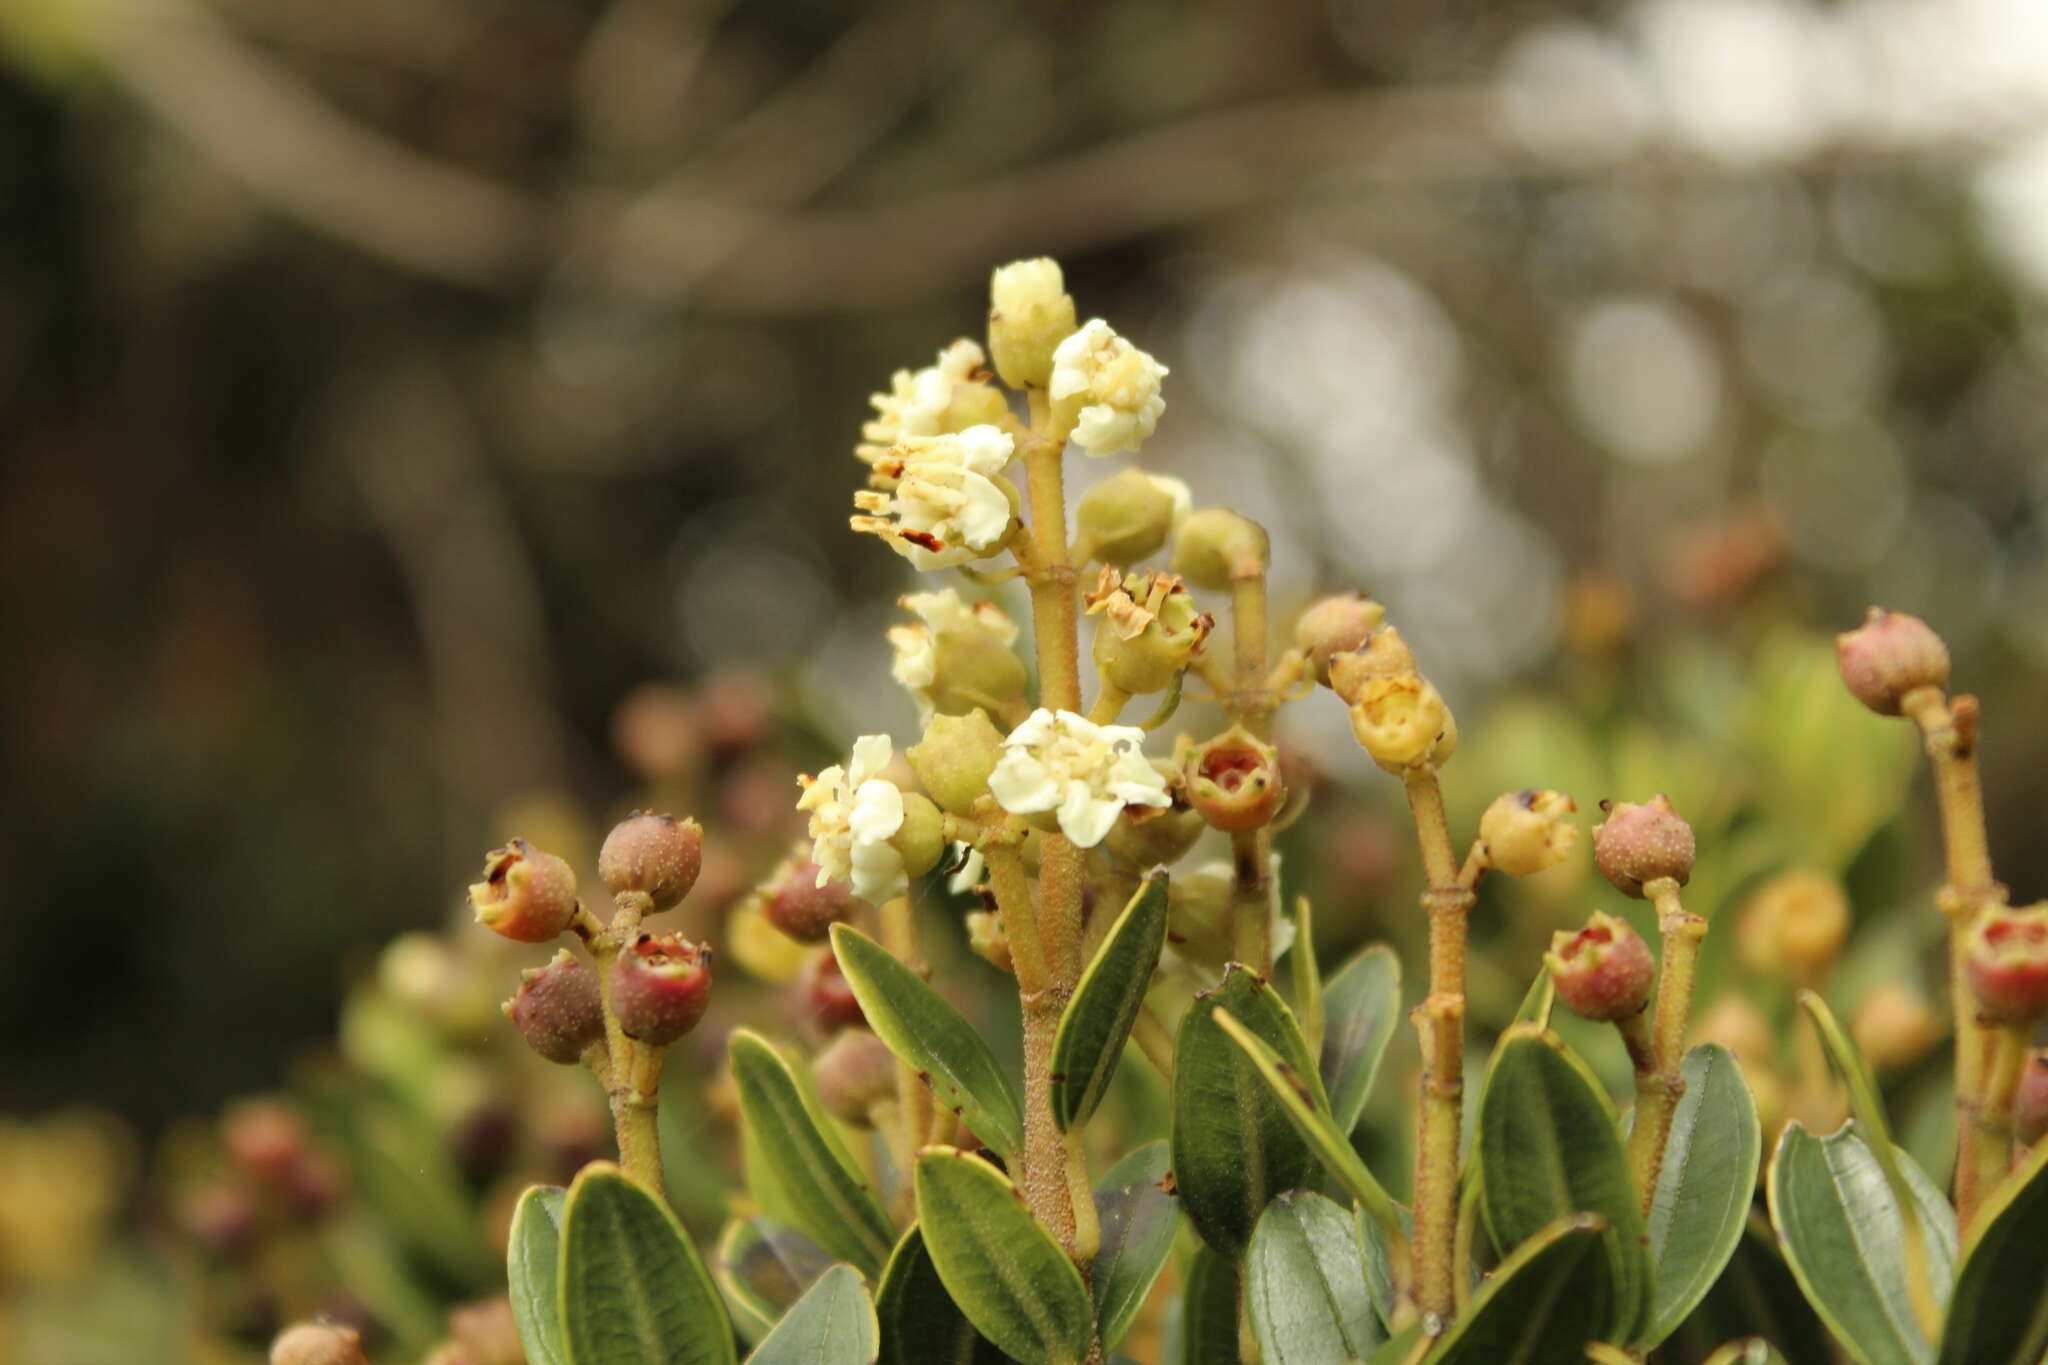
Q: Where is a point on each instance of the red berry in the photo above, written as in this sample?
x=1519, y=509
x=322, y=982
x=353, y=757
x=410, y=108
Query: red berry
x=558, y=1010
x=828, y=995
x=1889, y=655
x=1604, y=971
x=855, y=1073
x=657, y=856
x=795, y=903
x=1640, y=844
x=2030, y=1106
x=660, y=988
x=526, y=894
x=2006, y=961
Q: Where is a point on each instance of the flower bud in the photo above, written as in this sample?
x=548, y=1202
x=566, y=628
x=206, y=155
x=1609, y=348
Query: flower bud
x=526, y=894
x=657, y=856
x=1636, y=845
x=1402, y=721
x=1149, y=629
x=2005, y=957
x=2030, y=1105
x=828, y=996
x=1740, y=1027
x=1525, y=832
x=1383, y=655
x=1198, y=917
x=1793, y=926
x=1129, y=516
x=1234, y=781
x=1030, y=313
x=957, y=654
x=797, y=905
x=1157, y=836
x=1336, y=625
x=989, y=940
x=921, y=838
x=1604, y=971
x=954, y=759
x=660, y=988
x=1214, y=546
x=558, y=1009
x=855, y=1072
x=1889, y=655
x=1894, y=1027
x=317, y=1343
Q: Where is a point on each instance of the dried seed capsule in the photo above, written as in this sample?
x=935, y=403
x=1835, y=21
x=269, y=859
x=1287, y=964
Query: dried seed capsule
x=828, y=996
x=2005, y=957
x=1889, y=655
x=526, y=894
x=1402, y=721
x=797, y=905
x=1604, y=971
x=1234, y=780
x=315, y=1343
x=1639, y=844
x=2030, y=1106
x=855, y=1072
x=1793, y=926
x=558, y=1009
x=660, y=988
x=657, y=856
x=1147, y=630
x=1525, y=832
x=1336, y=625
x=1383, y=655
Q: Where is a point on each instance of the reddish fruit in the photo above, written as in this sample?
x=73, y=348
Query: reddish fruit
x=1604, y=971
x=656, y=856
x=855, y=1073
x=828, y=995
x=267, y=1139
x=795, y=903
x=558, y=1010
x=660, y=988
x=1889, y=655
x=2030, y=1106
x=1336, y=625
x=1234, y=781
x=2005, y=956
x=1640, y=844
x=526, y=894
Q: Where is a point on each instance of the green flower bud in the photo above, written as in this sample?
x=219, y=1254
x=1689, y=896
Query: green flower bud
x=1129, y=516
x=1198, y=917
x=954, y=759
x=1150, y=628
x=957, y=655
x=1030, y=314
x=1336, y=625
x=1216, y=545
x=921, y=839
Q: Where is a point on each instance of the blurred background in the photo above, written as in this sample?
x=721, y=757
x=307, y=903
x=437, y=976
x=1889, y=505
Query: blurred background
x=391, y=392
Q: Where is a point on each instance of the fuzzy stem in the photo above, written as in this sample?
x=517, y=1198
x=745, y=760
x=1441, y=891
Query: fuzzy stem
x=1153, y=1039
x=2001, y=1089
x=630, y=1081
x=1440, y=1020
x=1250, y=704
x=1658, y=1093
x=913, y=1096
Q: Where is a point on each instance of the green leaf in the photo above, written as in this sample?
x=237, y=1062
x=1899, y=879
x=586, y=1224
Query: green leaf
x=1009, y=1277
x=1379, y=1257
x=1208, y=1323
x=1550, y=1149
x=1704, y=1187
x=1234, y=1146
x=1308, y=975
x=1845, y=1241
x=1552, y=1296
x=921, y=1325
x=1754, y=1351
x=933, y=1039
x=1138, y=1219
x=832, y=1324
x=827, y=1195
x=1361, y=1010
x=633, y=1290
x=1397, y=1349
x=532, y=1251
x=1535, y=1006
x=1304, y=1284
x=763, y=1268
x=1098, y=1019
x=1301, y=1100
x=1999, y=1315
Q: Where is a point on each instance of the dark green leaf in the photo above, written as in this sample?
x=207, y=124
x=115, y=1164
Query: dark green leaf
x=1845, y=1242
x=1704, y=1187
x=1535, y=1006
x=1234, y=1146
x=832, y=1324
x=1138, y=1220
x=763, y=1268
x=1304, y=1284
x=1398, y=1348
x=532, y=1252
x=932, y=1038
x=998, y=1263
x=1361, y=1009
x=1548, y=1144
x=1308, y=975
x=1999, y=1315
x=1208, y=1323
x=1098, y=1019
x=1552, y=1296
x=1378, y=1256
x=921, y=1325
x=633, y=1290
x=828, y=1197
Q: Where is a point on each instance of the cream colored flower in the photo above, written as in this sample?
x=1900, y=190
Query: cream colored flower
x=935, y=500
x=855, y=811
x=973, y=870
x=944, y=396
x=952, y=635
x=1110, y=386
x=1084, y=773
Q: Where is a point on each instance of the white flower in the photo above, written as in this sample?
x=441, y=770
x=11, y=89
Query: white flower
x=973, y=868
x=1115, y=384
x=919, y=402
x=1086, y=773
x=855, y=811
x=934, y=498
x=942, y=614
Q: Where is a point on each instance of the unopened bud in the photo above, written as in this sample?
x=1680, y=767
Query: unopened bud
x=855, y=1072
x=558, y=1009
x=1383, y=655
x=1740, y=1027
x=989, y=940
x=1637, y=845
x=1198, y=917
x=828, y=998
x=1234, y=781
x=1030, y=314
x=1894, y=1027
x=954, y=759
x=1157, y=836
x=315, y=1343
x=957, y=655
x=1889, y=655
x=1793, y=926
x=921, y=838
x=1148, y=629
x=795, y=903
x=526, y=894
x=2030, y=1105
x=660, y=988
x=1525, y=832
x=1336, y=625
x=1215, y=546
x=657, y=856
x=1130, y=515
x=2005, y=957
x=1402, y=722
x=1604, y=971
